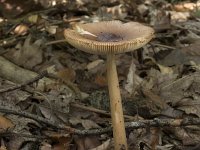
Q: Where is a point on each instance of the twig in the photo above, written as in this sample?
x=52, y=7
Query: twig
x=38, y=119
x=163, y=123
x=165, y=46
x=144, y=124
x=30, y=116
x=185, y=28
x=92, y=109
x=9, y=41
x=11, y=134
x=24, y=84
x=55, y=42
x=129, y=125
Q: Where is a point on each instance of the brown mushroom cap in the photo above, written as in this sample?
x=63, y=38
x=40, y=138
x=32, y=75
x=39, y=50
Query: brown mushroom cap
x=110, y=37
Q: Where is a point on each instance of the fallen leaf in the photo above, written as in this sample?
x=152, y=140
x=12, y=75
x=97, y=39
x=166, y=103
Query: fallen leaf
x=16, y=142
x=74, y=120
x=67, y=74
x=101, y=81
x=165, y=70
x=86, y=143
x=133, y=80
x=185, y=7
x=63, y=143
x=27, y=55
x=5, y=124
x=33, y=18
x=186, y=94
x=21, y=29
x=94, y=64
x=51, y=29
x=45, y=146
x=104, y=146
x=165, y=147
x=117, y=12
x=89, y=124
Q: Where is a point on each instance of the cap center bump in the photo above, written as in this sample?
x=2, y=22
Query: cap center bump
x=109, y=37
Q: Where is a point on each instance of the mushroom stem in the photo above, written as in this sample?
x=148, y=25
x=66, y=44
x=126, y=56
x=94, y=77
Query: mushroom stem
x=116, y=105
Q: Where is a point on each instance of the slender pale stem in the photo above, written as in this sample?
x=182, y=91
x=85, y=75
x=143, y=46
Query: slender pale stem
x=116, y=105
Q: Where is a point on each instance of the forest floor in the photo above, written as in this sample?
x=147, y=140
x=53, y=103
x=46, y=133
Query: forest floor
x=55, y=97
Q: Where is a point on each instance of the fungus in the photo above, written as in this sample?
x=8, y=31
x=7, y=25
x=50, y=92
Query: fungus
x=110, y=38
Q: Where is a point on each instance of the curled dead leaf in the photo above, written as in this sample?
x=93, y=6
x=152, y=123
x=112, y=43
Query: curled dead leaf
x=5, y=123
x=21, y=29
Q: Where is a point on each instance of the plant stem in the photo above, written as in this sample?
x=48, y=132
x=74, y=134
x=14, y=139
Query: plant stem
x=116, y=105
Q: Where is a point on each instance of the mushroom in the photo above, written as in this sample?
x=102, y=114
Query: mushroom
x=110, y=38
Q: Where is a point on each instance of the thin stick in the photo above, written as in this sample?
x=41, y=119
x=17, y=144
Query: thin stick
x=55, y=42
x=165, y=46
x=28, y=115
x=129, y=125
x=145, y=124
x=24, y=84
x=92, y=109
x=11, y=134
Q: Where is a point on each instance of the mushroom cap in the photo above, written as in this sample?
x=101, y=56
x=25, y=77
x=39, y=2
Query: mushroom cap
x=109, y=37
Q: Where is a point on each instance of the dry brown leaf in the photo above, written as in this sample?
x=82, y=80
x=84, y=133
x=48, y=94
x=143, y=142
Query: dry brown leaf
x=5, y=124
x=118, y=11
x=58, y=98
x=151, y=140
x=193, y=49
x=86, y=143
x=86, y=123
x=89, y=124
x=189, y=135
x=162, y=21
x=179, y=16
x=48, y=113
x=67, y=74
x=27, y=55
x=62, y=144
x=45, y=146
x=104, y=146
x=101, y=81
x=15, y=142
x=133, y=80
x=142, y=9
x=74, y=120
x=165, y=70
x=12, y=9
x=176, y=57
x=94, y=64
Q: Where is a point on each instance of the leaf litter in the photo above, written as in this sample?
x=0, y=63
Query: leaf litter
x=161, y=80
